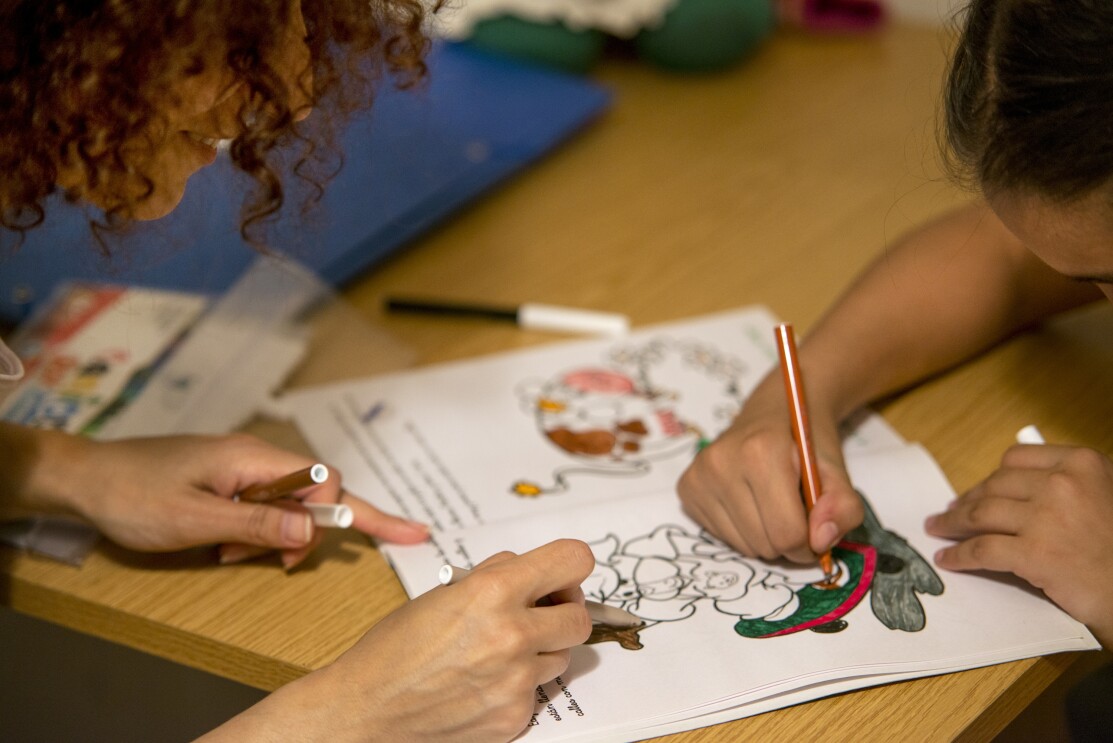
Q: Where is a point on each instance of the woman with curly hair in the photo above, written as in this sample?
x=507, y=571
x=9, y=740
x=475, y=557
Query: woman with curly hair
x=115, y=104
x=118, y=104
x=1029, y=105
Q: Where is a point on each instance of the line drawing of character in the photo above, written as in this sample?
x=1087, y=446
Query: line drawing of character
x=670, y=573
x=616, y=419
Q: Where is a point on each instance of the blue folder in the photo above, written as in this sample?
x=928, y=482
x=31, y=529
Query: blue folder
x=415, y=158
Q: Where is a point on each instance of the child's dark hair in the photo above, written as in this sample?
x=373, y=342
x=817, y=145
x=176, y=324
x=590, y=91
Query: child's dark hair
x=1029, y=98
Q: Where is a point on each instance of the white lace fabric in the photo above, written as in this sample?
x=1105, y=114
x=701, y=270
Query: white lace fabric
x=623, y=18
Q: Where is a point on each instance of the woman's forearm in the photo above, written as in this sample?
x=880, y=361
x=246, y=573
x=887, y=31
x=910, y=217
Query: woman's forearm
x=38, y=473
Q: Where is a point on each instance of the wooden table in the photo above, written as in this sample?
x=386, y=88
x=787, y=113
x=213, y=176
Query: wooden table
x=773, y=184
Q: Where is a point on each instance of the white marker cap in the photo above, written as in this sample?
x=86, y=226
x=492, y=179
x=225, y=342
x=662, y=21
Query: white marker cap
x=568, y=320
x=449, y=574
x=1029, y=435
x=334, y=515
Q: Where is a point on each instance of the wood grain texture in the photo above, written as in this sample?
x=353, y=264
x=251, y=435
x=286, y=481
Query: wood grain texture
x=775, y=183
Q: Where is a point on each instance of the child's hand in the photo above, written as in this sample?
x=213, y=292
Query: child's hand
x=745, y=487
x=1045, y=515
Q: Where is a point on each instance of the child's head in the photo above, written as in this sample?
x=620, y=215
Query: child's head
x=1029, y=120
x=119, y=103
x=1029, y=98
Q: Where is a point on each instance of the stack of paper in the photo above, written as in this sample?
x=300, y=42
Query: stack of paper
x=84, y=348
x=586, y=440
x=114, y=361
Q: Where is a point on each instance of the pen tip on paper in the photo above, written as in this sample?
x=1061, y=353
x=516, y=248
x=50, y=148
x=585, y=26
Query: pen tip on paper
x=830, y=579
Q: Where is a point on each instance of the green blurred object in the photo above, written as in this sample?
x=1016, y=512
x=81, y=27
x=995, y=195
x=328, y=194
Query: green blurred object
x=707, y=35
x=550, y=44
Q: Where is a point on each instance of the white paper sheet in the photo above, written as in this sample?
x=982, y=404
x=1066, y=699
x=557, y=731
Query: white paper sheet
x=600, y=430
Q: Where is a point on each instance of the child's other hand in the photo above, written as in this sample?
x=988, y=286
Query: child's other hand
x=1046, y=515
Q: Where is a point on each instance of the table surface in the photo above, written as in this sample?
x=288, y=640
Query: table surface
x=772, y=184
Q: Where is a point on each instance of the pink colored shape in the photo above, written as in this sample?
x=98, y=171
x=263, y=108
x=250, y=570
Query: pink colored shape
x=599, y=380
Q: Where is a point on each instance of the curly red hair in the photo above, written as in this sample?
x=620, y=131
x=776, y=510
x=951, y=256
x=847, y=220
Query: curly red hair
x=80, y=79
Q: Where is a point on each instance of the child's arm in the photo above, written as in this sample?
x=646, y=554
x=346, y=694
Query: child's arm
x=942, y=294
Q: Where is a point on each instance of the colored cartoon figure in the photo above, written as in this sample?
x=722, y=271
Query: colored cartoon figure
x=615, y=419
x=668, y=575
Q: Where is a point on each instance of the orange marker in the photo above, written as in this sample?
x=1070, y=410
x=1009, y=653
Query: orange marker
x=801, y=431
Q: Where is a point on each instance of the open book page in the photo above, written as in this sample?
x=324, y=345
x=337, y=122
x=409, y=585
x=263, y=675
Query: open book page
x=558, y=427
x=729, y=636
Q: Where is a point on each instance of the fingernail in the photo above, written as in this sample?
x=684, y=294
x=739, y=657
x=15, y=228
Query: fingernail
x=929, y=522
x=297, y=528
x=290, y=561
x=827, y=534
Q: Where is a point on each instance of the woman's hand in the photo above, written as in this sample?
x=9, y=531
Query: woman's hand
x=170, y=493
x=744, y=488
x=461, y=662
x=1045, y=515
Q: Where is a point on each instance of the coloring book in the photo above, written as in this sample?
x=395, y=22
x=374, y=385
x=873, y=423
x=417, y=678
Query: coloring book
x=586, y=439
